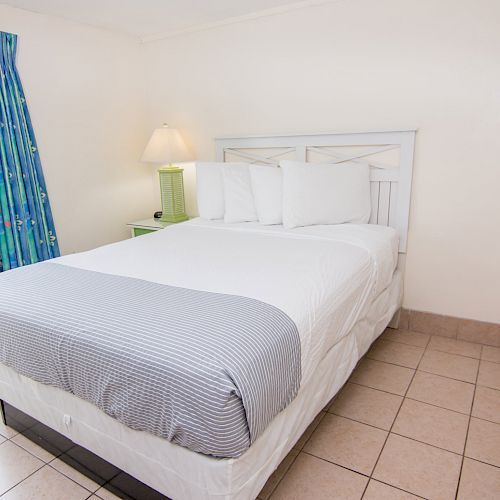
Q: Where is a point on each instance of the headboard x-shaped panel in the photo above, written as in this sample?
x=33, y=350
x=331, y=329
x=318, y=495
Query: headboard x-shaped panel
x=390, y=181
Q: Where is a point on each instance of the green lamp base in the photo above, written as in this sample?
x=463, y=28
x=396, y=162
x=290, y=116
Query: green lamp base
x=172, y=194
x=179, y=218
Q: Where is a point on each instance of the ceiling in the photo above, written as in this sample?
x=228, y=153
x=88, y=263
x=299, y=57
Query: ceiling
x=149, y=19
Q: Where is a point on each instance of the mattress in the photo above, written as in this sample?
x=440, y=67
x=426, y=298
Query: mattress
x=322, y=277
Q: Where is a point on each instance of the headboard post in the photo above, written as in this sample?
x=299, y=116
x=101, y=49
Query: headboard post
x=404, y=187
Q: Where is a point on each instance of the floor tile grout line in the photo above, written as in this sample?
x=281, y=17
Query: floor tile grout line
x=395, y=487
x=430, y=348
x=358, y=473
x=456, y=340
x=284, y=474
x=402, y=435
x=381, y=341
x=403, y=330
x=376, y=389
x=432, y=335
x=482, y=353
x=455, y=353
x=423, y=349
x=467, y=432
x=27, y=477
x=53, y=468
x=482, y=462
x=359, y=421
x=109, y=482
x=442, y=351
x=437, y=406
x=368, y=356
x=428, y=444
x=444, y=336
x=489, y=361
x=74, y=480
x=299, y=452
x=415, y=399
x=404, y=343
x=395, y=418
x=320, y=420
x=485, y=419
x=389, y=363
x=337, y=465
x=70, y=478
x=416, y=369
x=45, y=464
x=9, y=438
x=31, y=453
x=451, y=378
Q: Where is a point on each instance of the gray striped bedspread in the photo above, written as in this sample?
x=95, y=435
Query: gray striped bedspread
x=204, y=370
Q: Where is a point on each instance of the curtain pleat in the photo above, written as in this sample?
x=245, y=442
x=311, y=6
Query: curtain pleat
x=27, y=232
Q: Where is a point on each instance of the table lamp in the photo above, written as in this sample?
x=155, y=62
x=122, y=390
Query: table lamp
x=165, y=147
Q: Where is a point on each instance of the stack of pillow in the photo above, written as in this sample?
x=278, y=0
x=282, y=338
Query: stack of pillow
x=293, y=194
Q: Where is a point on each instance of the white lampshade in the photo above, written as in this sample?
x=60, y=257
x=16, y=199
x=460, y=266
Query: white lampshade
x=166, y=146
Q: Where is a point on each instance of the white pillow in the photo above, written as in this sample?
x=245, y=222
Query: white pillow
x=316, y=193
x=238, y=196
x=210, y=190
x=267, y=187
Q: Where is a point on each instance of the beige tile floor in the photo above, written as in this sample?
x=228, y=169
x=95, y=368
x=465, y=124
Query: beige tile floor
x=419, y=418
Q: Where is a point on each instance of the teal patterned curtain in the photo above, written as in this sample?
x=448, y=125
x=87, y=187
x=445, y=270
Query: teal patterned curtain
x=27, y=233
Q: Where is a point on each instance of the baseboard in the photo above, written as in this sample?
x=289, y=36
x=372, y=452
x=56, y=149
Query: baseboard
x=450, y=326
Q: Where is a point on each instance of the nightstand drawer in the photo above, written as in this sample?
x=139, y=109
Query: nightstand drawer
x=147, y=226
x=139, y=231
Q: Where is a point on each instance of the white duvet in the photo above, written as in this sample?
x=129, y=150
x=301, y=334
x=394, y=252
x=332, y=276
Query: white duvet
x=323, y=277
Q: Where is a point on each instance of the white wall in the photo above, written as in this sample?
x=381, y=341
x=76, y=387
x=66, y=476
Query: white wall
x=350, y=65
x=84, y=89
x=363, y=65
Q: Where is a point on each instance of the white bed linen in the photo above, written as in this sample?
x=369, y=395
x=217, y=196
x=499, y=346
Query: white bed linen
x=336, y=282
x=323, y=277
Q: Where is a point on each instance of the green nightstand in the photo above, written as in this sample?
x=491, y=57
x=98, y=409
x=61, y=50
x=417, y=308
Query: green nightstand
x=148, y=226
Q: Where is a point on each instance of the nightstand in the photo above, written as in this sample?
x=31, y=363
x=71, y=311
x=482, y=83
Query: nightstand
x=147, y=226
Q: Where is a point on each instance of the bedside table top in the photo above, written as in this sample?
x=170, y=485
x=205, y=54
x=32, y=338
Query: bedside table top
x=149, y=224
x=152, y=224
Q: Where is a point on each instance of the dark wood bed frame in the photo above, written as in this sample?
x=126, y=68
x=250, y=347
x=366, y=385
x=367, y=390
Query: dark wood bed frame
x=101, y=472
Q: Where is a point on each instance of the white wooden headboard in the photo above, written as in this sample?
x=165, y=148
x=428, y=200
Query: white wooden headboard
x=389, y=155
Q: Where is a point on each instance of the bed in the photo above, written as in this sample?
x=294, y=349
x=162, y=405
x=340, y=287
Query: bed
x=340, y=285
